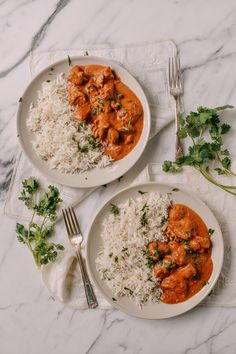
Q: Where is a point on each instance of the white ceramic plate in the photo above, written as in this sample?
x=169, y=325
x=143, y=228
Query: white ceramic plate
x=158, y=310
x=96, y=176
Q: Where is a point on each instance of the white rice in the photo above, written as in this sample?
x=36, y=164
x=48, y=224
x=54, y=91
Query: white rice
x=121, y=262
x=57, y=135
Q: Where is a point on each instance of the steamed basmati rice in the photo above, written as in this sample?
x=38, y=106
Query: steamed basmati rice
x=59, y=138
x=122, y=262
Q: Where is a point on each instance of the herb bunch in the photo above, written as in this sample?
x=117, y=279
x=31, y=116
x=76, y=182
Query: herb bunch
x=35, y=237
x=206, y=133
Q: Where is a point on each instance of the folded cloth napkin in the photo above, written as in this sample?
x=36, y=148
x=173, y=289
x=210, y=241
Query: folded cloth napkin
x=63, y=278
x=148, y=63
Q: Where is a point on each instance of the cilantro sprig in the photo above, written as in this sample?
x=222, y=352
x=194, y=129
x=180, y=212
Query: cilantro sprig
x=35, y=236
x=206, y=132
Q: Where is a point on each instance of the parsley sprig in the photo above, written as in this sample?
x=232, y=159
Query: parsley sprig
x=35, y=236
x=206, y=133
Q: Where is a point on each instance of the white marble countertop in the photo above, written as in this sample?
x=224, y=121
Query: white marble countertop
x=31, y=321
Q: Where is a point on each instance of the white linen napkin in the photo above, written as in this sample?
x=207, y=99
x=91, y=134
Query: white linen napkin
x=63, y=278
x=148, y=63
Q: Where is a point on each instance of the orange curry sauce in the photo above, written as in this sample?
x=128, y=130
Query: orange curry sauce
x=101, y=99
x=183, y=264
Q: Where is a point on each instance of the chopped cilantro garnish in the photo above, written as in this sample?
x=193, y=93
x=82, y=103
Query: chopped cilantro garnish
x=114, y=209
x=119, y=95
x=141, y=192
x=169, y=265
x=211, y=232
x=187, y=243
x=204, y=283
x=94, y=111
x=130, y=291
x=69, y=60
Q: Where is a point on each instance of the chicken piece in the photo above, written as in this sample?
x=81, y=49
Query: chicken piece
x=90, y=90
x=98, y=79
x=172, y=245
x=184, y=228
x=101, y=126
x=108, y=74
x=160, y=271
x=76, y=97
x=113, y=136
x=194, y=244
x=158, y=249
x=128, y=139
x=129, y=112
x=205, y=242
x=179, y=255
x=83, y=112
x=164, y=247
x=177, y=212
x=77, y=76
x=154, y=251
x=175, y=283
x=123, y=115
x=107, y=91
x=135, y=113
x=123, y=127
x=152, y=247
x=168, y=262
x=199, y=242
x=188, y=271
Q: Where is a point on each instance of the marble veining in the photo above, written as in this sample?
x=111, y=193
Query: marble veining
x=31, y=320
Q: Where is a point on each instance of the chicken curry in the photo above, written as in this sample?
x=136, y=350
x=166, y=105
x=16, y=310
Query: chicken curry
x=183, y=264
x=101, y=99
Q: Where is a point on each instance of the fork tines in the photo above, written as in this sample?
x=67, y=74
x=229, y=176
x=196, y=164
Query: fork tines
x=174, y=72
x=71, y=221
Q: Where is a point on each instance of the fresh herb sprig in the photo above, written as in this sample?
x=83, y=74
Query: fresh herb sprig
x=206, y=133
x=35, y=236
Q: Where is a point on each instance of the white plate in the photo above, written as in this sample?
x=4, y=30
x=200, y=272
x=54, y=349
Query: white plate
x=158, y=310
x=96, y=176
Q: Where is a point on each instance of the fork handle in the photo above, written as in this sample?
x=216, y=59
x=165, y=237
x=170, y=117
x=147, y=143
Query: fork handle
x=89, y=292
x=179, y=152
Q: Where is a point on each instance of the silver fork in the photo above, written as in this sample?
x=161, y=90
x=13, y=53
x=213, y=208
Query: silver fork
x=75, y=236
x=176, y=90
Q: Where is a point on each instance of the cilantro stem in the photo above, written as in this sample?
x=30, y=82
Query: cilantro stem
x=44, y=219
x=27, y=241
x=209, y=177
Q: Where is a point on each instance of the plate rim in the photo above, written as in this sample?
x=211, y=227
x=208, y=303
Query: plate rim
x=191, y=306
x=59, y=178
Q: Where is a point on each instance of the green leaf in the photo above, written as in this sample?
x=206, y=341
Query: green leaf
x=169, y=166
x=182, y=133
x=225, y=152
x=21, y=230
x=220, y=171
x=226, y=163
x=225, y=128
x=114, y=209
